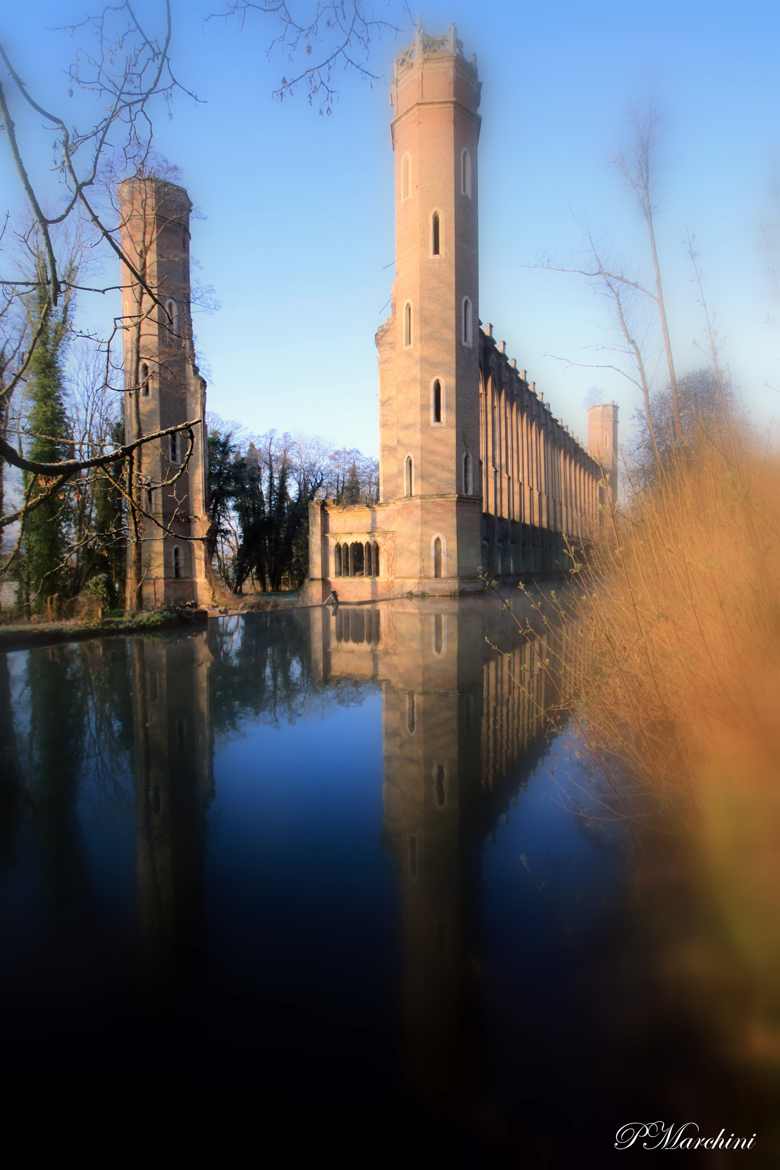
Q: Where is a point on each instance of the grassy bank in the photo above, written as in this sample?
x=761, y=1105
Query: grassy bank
x=22, y=635
x=682, y=636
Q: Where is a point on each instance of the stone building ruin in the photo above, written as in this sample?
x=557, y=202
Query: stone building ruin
x=475, y=470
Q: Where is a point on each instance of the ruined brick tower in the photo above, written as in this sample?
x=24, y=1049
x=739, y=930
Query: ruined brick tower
x=162, y=388
x=477, y=474
x=603, y=443
x=428, y=349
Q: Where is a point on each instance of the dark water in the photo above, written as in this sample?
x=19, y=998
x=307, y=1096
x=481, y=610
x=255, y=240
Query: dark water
x=349, y=867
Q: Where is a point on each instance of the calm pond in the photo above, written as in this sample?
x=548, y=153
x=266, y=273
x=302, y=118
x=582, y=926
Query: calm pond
x=351, y=861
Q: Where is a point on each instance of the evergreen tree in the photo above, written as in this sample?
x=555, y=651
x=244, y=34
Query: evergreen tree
x=45, y=530
x=352, y=486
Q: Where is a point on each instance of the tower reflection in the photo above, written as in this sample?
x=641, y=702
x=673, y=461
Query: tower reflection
x=174, y=786
x=467, y=702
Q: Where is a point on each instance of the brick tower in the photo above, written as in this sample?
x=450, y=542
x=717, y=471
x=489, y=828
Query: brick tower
x=429, y=347
x=603, y=443
x=162, y=388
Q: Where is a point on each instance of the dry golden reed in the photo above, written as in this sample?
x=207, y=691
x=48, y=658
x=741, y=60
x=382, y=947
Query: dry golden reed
x=682, y=625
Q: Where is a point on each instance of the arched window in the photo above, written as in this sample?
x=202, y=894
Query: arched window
x=143, y=378
x=408, y=324
x=172, y=315
x=174, y=447
x=149, y=499
x=465, y=173
x=437, y=402
x=440, y=784
x=356, y=559
x=466, y=474
x=406, y=177
x=337, y=560
x=376, y=564
x=435, y=234
x=466, y=322
x=437, y=556
x=411, y=712
x=438, y=633
x=409, y=476
x=368, y=560
x=176, y=561
x=345, y=560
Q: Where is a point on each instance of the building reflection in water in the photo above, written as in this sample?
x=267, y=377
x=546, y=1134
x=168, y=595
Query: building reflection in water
x=467, y=702
x=174, y=786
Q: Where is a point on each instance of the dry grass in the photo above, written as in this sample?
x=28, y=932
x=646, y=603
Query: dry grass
x=682, y=626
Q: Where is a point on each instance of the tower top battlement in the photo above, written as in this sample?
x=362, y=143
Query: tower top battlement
x=428, y=51
x=155, y=193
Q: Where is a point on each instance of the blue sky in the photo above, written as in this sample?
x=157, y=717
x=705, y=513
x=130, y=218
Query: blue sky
x=295, y=226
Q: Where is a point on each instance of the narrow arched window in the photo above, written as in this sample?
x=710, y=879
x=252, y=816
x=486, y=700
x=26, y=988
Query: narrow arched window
x=407, y=324
x=174, y=447
x=406, y=176
x=438, y=633
x=409, y=476
x=337, y=560
x=466, y=474
x=368, y=560
x=435, y=234
x=376, y=567
x=466, y=322
x=440, y=785
x=176, y=561
x=436, y=401
x=411, y=712
x=437, y=557
x=143, y=378
x=172, y=315
x=465, y=173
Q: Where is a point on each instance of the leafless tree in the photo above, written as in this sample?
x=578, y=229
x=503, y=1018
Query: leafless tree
x=638, y=165
x=124, y=70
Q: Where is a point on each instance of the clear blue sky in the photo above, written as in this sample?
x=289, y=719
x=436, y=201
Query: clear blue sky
x=296, y=234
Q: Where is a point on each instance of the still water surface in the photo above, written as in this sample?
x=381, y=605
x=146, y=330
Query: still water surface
x=353, y=861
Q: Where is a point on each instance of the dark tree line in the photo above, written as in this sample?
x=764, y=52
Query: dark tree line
x=259, y=493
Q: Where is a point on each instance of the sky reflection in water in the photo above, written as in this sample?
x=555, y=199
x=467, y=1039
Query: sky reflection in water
x=339, y=856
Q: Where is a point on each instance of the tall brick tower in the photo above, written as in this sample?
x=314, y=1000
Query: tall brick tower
x=162, y=388
x=429, y=348
x=603, y=442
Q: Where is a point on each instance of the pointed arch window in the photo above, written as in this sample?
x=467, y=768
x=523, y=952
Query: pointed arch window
x=438, y=633
x=438, y=556
x=466, y=322
x=440, y=784
x=337, y=560
x=411, y=712
x=409, y=476
x=174, y=447
x=376, y=563
x=466, y=175
x=467, y=488
x=172, y=315
x=435, y=234
x=408, y=324
x=143, y=379
x=437, y=402
x=176, y=561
